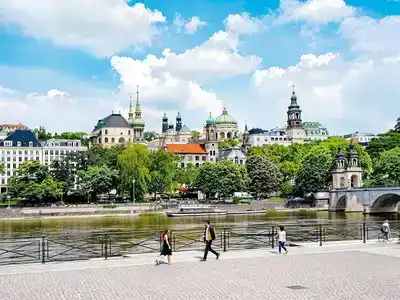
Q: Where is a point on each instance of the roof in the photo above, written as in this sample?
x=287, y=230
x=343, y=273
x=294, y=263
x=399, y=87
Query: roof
x=24, y=136
x=19, y=125
x=61, y=142
x=186, y=148
x=225, y=118
x=185, y=129
x=112, y=121
x=225, y=153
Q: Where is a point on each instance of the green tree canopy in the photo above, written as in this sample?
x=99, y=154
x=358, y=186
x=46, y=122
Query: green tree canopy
x=33, y=182
x=97, y=180
x=265, y=177
x=186, y=175
x=383, y=142
x=227, y=143
x=133, y=164
x=315, y=170
x=163, y=166
x=99, y=156
x=63, y=172
x=387, y=168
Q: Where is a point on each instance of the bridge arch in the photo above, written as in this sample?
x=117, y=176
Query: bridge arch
x=386, y=201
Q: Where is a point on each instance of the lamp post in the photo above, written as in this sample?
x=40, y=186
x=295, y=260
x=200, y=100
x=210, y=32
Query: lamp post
x=133, y=191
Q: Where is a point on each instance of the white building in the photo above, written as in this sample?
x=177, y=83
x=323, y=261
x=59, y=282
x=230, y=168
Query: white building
x=314, y=131
x=257, y=137
x=361, y=138
x=234, y=154
x=20, y=146
x=55, y=149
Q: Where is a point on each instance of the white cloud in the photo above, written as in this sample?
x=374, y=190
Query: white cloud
x=316, y=11
x=243, y=24
x=101, y=27
x=373, y=36
x=189, y=26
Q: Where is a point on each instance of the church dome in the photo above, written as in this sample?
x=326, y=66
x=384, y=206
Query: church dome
x=179, y=117
x=225, y=118
x=165, y=118
x=138, y=123
x=210, y=120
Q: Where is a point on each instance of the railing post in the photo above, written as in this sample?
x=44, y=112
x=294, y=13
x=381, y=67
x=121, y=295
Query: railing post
x=364, y=237
x=224, y=239
x=105, y=246
x=174, y=240
x=273, y=237
x=43, y=249
x=320, y=235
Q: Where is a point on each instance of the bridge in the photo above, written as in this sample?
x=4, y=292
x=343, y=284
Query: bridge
x=365, y=199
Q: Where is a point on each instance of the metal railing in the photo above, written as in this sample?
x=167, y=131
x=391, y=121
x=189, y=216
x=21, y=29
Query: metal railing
x=84, y=245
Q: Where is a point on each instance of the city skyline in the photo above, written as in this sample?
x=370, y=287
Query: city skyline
x=66, y=74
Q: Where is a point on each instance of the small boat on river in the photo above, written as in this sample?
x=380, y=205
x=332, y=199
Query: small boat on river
x=196, y=211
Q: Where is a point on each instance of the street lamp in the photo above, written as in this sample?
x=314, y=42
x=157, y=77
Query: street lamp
x=133, y=191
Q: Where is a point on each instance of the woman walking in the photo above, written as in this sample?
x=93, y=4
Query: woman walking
x=166, y=247
x=282, y=239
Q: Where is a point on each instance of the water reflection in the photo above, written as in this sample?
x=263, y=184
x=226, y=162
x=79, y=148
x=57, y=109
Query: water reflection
x=135, y=223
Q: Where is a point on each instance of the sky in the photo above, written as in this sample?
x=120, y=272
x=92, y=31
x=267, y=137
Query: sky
x=66, y=64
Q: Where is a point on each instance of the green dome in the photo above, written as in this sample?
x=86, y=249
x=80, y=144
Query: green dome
x=225, y=118
x=210, y=120
x=178, y=117
x=137, y=123
x=165, y=118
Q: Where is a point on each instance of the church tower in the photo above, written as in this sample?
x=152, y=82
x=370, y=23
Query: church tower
x=130, y=113
x=245, y=143
x=164, y=127
x=138, y=123
x=294, y=129
x=211, y=141
x=178, y=126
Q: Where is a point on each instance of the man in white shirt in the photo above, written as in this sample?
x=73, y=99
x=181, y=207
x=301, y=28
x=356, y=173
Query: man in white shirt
x=282, y=239
x=385, y=228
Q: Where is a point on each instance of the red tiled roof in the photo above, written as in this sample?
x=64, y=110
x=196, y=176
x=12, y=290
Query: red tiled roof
x=19, y=125
x=186, y=148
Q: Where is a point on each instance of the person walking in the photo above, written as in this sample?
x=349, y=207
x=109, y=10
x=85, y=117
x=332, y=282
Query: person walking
x=282, y=239
x=208, y=237
x=165, y=248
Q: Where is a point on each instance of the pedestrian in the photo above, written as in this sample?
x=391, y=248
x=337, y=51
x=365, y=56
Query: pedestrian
x=282, y=239
x=165, y=248
x=208, y=237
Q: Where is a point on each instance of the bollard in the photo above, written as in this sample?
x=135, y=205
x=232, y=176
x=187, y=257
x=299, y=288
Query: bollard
x=43, y=249
x=273, y=238
x=364, y=235
x=320, y=235
x=105, y=247
x=224, y=239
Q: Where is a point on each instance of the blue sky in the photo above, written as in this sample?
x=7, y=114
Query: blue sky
x=66, y=64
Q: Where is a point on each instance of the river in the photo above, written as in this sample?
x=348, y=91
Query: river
x=54, y=225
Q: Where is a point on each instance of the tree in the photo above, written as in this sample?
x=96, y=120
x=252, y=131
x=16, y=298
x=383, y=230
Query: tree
x=133, y=164
x=42, y=134
x=33, y=182
x=186, y=175
x=315, y=170
x=383, y=142
x=97, y=180
x=227, y=144
x=2, y=169
x=99, y=156
x=63, y=171
x=265, y=176
x=195, y=133
x=223, y=178
x=162, y=167
x=387, y=168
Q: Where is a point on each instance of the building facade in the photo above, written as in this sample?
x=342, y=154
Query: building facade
x=20, y=146
x=234, y=154
x=226, y=125
x=314, y=131
x=56, y=149
x=195, y=154
x=361, y=138
x=256, y=137
x=347, y=172
x=178, y=134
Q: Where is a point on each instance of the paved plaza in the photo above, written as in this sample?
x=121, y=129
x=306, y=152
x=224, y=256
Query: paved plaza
x=338, y=271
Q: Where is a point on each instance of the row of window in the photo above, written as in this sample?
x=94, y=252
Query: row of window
x=19, y=152
x=58, y=152
x=69, y=144
x=274, y=139
x=19, y=144
x=196, y=157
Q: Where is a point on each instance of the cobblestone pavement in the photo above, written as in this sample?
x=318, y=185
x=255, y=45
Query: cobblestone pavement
x=330, y=275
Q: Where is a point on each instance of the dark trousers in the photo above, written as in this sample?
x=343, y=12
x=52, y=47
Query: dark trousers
x=208, y=248
x=282, y=246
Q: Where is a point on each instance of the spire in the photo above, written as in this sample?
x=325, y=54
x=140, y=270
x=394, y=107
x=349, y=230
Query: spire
x=294, y=97
x=137, y=100
x=245, y=126
x=130, y=113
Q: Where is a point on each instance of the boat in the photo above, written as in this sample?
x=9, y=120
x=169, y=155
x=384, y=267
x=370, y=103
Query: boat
x=196, y=211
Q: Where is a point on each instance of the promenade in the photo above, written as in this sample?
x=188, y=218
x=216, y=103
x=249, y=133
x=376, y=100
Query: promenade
x=336, y=271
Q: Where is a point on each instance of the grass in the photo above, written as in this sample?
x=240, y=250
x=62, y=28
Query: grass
x=276, y=199
x=5, y=203
x=152, y=214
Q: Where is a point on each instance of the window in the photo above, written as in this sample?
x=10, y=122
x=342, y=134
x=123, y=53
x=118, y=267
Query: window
x=37, y=158
x=30, y=144
x=8, y=158
x=8, y=143
x=8, y=166
x=204, y=158
x=182, y=165
x=129, y=132
x=112, y=140
x=14, y=166
x=106, y=132
x=46, y=152
x=69, y=143
x=20, y=158
x=197, y=158
x=197, y=165
x=18, y=144
x=56, y=152
x=51, y=152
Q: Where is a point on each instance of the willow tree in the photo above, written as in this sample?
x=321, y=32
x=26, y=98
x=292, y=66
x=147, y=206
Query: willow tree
x=133, y=164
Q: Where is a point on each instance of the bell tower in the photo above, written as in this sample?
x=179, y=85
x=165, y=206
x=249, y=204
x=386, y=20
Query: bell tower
x=211, y=141
x=294, y=129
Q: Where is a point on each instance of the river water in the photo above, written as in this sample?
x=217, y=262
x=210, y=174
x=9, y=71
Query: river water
x=54, y=225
